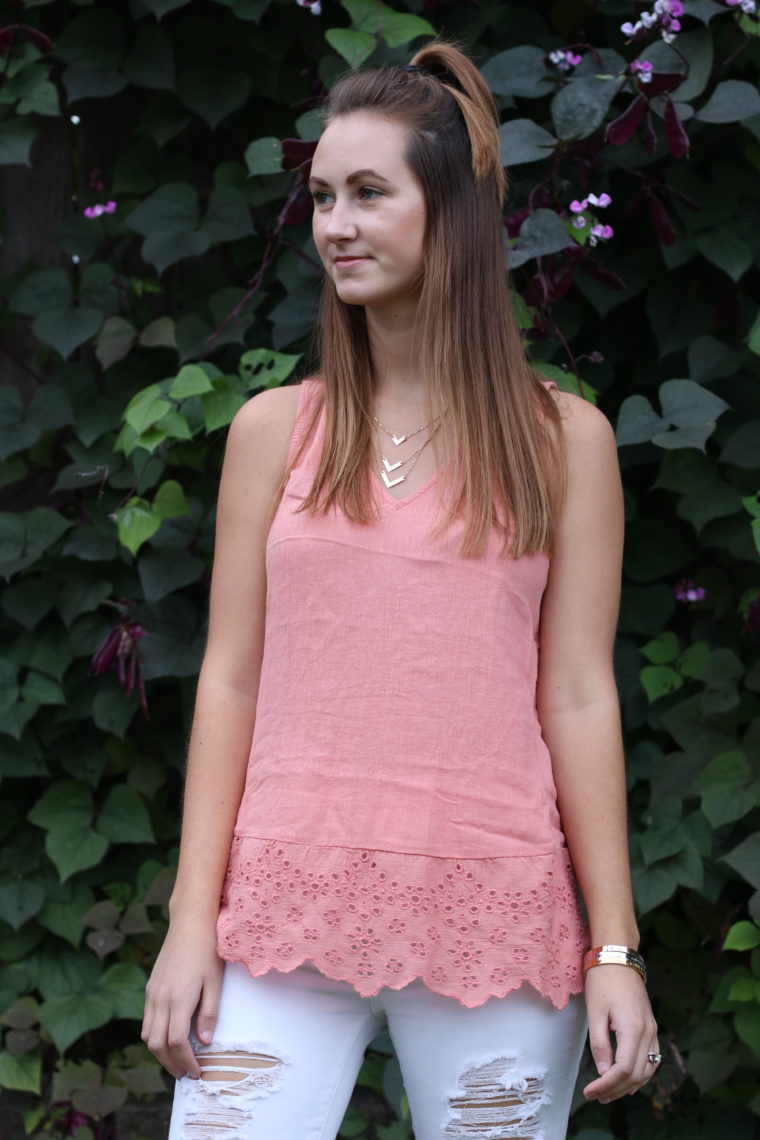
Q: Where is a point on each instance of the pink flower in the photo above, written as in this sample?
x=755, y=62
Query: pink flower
x=686, y=591
x=96, y=210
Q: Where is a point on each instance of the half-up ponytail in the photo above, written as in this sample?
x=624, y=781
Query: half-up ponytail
x=478, y=107
x=504, y=427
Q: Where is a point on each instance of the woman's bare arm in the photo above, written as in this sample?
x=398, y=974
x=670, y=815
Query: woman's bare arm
x=188, y=972
x=579, y=714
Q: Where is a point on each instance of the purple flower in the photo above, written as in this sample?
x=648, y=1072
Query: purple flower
x=98, y=209
x=573, y=59
x=119, y=648
x=602, y=201
x=578, y=207
x=314, y=6
x=604, y=232
x=686, y=591
x=579, y=222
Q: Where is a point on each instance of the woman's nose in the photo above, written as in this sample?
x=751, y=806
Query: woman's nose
x=340, y=225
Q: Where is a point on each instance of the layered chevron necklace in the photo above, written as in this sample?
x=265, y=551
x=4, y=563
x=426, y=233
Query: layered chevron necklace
x=388, y=466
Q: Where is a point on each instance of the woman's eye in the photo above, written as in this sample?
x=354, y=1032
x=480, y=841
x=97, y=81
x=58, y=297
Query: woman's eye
x=370, y=193
x=320, y=197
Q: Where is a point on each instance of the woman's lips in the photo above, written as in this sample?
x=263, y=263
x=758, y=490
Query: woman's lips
x=349, y=262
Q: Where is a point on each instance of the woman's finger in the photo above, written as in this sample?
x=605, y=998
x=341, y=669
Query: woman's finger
x=208, y=1009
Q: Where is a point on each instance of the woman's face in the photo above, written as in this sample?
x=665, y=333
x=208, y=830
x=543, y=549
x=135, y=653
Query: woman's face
x=369, y=213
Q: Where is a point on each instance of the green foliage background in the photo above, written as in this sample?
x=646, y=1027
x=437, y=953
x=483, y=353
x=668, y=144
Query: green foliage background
x=174, y=111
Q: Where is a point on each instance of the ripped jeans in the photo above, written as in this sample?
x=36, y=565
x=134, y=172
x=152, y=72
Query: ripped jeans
x=288, y=1047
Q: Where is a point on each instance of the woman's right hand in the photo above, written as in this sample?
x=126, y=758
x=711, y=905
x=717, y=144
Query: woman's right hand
x=186, y=980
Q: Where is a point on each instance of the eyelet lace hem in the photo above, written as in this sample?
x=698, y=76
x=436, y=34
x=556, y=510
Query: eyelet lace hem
x=468, y=928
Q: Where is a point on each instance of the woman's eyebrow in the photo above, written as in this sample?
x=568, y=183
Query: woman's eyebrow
x=357, y=176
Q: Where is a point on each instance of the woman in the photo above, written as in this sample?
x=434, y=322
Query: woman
x=421, y=744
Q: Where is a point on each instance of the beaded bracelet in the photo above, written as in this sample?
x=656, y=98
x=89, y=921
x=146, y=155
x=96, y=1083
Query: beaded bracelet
x=614, y=956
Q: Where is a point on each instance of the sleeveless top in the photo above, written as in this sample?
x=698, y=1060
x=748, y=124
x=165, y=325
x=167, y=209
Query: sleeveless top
x=399, y=817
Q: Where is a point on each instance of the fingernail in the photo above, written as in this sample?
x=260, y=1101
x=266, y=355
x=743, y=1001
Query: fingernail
x=602, y=1067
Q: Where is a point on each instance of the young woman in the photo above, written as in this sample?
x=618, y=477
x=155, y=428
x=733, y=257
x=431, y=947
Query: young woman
x=406, y=744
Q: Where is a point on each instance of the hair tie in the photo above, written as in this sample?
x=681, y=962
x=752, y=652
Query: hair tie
x=411, y=67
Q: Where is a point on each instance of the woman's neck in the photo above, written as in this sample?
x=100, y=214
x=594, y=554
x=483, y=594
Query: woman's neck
x=391, y=343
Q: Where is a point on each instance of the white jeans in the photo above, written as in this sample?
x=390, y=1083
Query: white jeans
x=288, y=1047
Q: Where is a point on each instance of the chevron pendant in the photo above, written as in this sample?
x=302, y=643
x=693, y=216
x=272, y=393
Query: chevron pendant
x=391, y=466
x=397, y=439
x=391, y=482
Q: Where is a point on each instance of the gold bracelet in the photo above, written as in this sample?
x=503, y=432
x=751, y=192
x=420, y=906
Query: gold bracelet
x=609, y=955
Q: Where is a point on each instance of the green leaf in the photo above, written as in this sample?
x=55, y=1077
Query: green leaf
x=163, y=571
x=726, y=249
x=747, y=1026
x=396, y=28
x=22, y=1073
x=522, y=140
x=228, y=215
x=262, y=368
x=159, y=8
x=213, y=93
x=731, y=101
x=580, y=106
x=637, y=421
x=115, y=339
x=518, y=71
x=353, y=46
x=541, y=233
x=42, y=690
x=190, y=381
x=66, y=801
x=146, y=408
x=662, y=649
x=124, y=983
x=136, y=523
x=64, y=918
x=219, y=408
x=41, y=291
x=659, y=681
x=66, y=329
x=112, y=709
x=16, y=138
x=724, y=787
x=745, y=858
x=169, y=211
x=83, y=594
x=67, y=1017
x=163, y=250
x=264, y=156
x=693, y=660
x=41, y=100
x=74, y=848
x=150, y=61
x=19, y=902
x=754, y=336
x=742, y=936
x=159, y=334
x=743, y=447
x=170, y=500
x=124, y=817
x=171, y=426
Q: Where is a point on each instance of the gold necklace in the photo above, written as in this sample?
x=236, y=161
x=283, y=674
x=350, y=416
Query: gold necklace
x=387, y=466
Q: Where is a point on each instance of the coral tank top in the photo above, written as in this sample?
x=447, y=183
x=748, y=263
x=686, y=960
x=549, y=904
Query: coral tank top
x=399, y=817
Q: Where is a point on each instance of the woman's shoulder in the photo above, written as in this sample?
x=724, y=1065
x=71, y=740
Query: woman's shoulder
x=583, y=425
x=264, y=428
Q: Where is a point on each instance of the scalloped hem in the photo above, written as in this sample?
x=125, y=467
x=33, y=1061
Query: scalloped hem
x=467, y=928
x=260, y=969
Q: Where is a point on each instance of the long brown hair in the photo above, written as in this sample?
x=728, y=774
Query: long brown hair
x=508, y=460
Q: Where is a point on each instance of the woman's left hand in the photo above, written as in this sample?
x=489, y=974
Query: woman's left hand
x=617, y=1002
